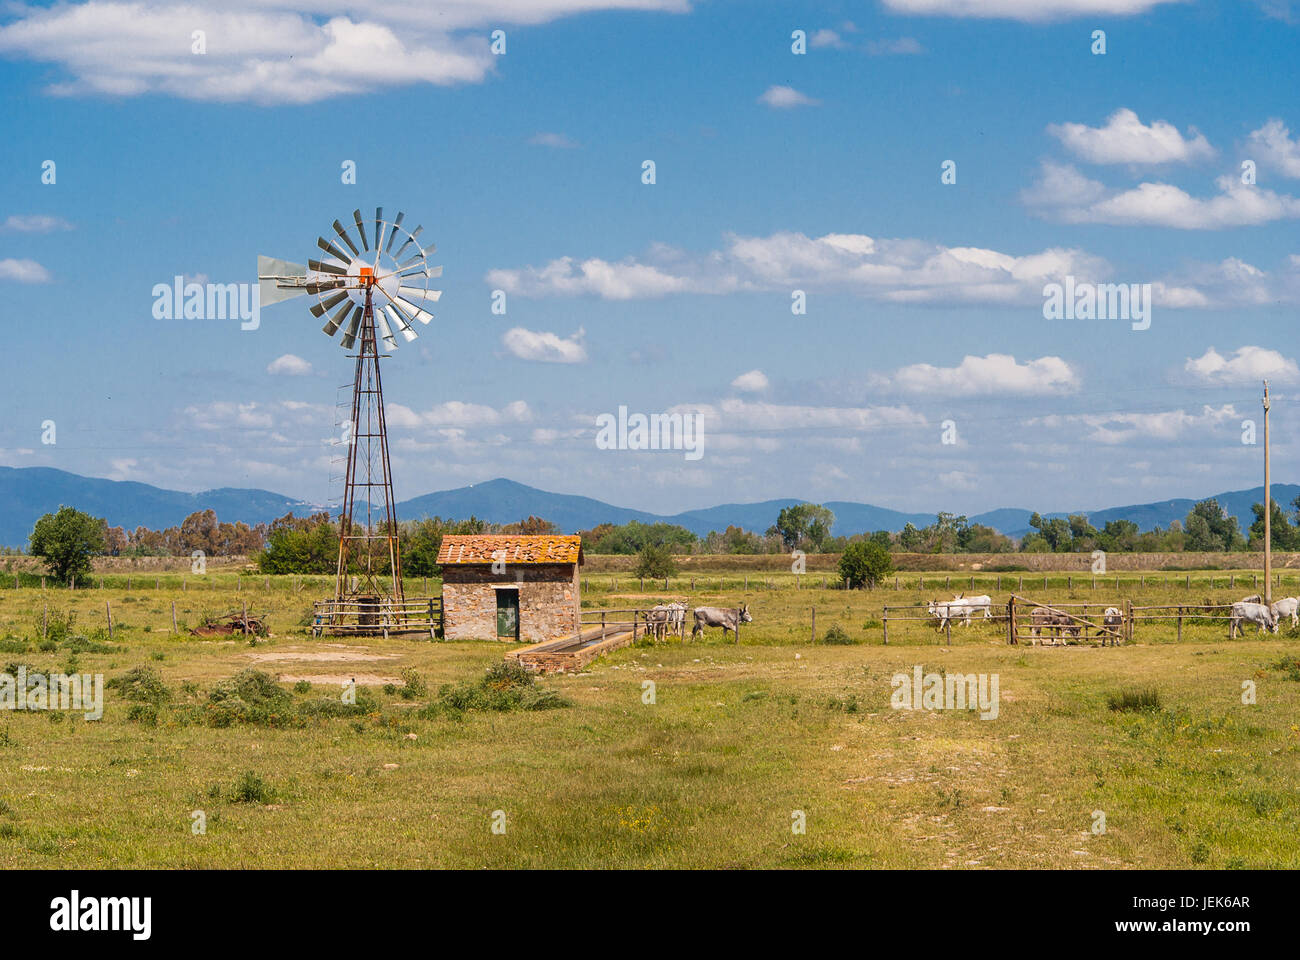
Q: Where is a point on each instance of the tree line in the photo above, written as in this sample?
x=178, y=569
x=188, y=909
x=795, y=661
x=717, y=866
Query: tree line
x=69, y=538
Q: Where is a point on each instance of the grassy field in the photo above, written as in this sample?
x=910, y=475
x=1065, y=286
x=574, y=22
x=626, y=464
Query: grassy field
x=740, y=740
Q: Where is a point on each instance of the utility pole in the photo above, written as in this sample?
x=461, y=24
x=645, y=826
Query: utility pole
x=1268, y=508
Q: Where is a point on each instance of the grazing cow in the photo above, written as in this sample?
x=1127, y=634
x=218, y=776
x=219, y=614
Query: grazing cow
x=717, y=617
x=1111, y=621
x=1286, y=607
x=1256, y=613
x=1045, y=618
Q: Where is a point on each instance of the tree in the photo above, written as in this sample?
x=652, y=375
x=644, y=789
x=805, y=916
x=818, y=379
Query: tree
x=1210, y=528
x=66, y=541
x=1283, y=535
x=301, y=545
x=654, y=560
x=806, y=523
x=865, y=563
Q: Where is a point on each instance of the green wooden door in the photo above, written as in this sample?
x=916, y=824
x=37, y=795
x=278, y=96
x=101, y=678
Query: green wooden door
x=507, y=614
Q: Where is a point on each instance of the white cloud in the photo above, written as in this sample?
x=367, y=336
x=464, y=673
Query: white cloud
x=274, y=52
x=1120, y=427
x=1249, y=364
x=755, y=381
x=455, y=416
x=34, y=223
x=903, y=46
x=997, y=373
x=1062, y=193
x=826, y=38
x=1027, y=10
x=897, y=270
x=784, y=98
x=626, y=280
x=290, y=365
x=734, y=414
x=545, y=347
x=556, y=140
x=23, y=271
x=1124, y=139
x=1273, y=147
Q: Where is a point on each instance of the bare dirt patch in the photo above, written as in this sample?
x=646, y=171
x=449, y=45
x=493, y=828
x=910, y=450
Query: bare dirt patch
x=343, y=655
x=337, y=679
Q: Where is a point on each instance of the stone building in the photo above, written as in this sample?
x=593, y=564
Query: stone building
x=510, y=587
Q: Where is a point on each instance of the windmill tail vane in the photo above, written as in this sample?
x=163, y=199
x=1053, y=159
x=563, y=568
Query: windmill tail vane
x=372, y=284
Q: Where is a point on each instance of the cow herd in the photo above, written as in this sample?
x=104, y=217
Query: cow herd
x=1265, y=616
x=665, y=618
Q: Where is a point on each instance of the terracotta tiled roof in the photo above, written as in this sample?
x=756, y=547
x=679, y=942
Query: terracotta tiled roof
x=510, y=549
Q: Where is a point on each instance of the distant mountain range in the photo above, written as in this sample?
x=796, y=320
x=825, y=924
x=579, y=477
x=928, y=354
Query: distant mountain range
x=28, y=492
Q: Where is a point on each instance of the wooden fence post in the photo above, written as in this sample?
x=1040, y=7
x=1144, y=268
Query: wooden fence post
x=1011, y=620
x=108, y=612
x=174, y=630
x=245, y=618
x=1128, y=610
x=1180, y=624
x=885, y=622
x=814, y=625
x=45, y=621
x=947, y=630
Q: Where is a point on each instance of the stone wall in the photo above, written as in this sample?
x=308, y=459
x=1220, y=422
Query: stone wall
x=548, y=600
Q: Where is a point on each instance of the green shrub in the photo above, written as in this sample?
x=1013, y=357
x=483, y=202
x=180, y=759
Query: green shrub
x=413, y=685
x=302, y=686
x=251, y=788
x=142, y=685
x=250, y=696
x=1135, y=701
x=837, y=635
x=506, y=686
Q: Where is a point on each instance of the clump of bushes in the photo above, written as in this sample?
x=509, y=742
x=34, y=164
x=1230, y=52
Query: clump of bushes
x=1290, y=666
x=1135, y=701
x=413, y=685
x=506, y=686
x=251, y=788
x=837, y=635
x=250, y=696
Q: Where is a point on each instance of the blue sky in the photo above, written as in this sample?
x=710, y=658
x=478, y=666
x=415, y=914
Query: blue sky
x=774, y=172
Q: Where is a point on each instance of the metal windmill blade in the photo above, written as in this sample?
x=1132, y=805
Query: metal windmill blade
x=343, y=235
x=400, y=322
x=361, y=228
x=332, y=325
x=419, y=292
x=387, y=334
x=320, y=266
x=329, y=303
x=397, y=224
x=333, y=251
x=350, y=335
x=379, y=228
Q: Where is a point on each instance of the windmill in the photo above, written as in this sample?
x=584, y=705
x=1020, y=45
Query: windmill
x=367, y=291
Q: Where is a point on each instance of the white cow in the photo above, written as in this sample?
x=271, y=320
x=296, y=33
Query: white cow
x=1256, y=613
x=959, y=607
x=1286, y=607
x=1111, y=620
